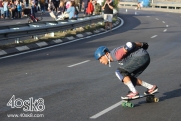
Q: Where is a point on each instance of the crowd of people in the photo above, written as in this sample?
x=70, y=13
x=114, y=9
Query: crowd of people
x=11, y=9
x=72, y=8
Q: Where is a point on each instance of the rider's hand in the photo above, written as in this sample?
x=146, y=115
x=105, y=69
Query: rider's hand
x=145, y=45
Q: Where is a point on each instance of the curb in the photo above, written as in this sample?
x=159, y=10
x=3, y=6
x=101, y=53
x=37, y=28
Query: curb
x=53, y=43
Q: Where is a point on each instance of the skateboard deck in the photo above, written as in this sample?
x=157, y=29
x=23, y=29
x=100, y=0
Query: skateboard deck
x=150, y=98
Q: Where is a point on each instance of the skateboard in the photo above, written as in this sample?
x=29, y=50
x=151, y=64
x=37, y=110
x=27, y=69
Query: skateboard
x=150, y=98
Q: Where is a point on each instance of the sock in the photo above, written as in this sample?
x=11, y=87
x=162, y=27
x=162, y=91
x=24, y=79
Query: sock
x=147, y=85
x=131, y=87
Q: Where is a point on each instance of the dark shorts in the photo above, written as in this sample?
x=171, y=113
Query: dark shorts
x=134, y=66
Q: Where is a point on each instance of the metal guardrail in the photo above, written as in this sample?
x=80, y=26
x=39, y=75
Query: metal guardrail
x=39, y=28
x=168, y=5
x=128, y=3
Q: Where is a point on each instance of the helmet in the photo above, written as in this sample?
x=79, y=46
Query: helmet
x=100, y=52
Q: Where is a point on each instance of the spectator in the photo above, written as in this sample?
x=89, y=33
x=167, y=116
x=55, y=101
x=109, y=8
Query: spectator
x=85, y=6
x=90, y=8
x=76, y=9
x=1, y=8
x=71, y=10
x=56, y=4
x=97, y=8
x=80, y=5
x=42, y=6
x=46, y=5
x=19, y=9
x=33, y=8
x=13, y=10
x=108, y=14
x=61, y=8
x=138, y=6
x=6, y=12
x=67, y=4
x=51, y=6
x=23, y=7
x=38, y=8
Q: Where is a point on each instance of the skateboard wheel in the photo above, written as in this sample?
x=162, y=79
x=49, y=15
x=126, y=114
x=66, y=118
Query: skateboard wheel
x=123, y=104
x=130, y=105
x=156, y=99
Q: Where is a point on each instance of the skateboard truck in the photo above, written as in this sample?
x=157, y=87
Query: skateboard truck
x=149, y=99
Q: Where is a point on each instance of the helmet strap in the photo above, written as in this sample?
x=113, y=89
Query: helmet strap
x=108, y=58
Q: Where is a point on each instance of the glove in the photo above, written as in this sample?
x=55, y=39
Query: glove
x=129, y=46
x=145, y=45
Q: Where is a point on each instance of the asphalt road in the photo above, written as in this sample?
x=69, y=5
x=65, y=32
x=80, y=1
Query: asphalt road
x=66, y=83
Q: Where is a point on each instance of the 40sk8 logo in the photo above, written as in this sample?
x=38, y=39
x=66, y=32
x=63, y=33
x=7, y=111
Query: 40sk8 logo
x=27, y=105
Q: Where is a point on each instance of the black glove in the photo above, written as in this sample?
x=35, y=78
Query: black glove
x=145, y=45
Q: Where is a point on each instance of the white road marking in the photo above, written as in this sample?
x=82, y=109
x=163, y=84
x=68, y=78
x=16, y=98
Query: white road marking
x=147, y=16
x=156, y=18
x=106, y=110
x=166, y=25
x=163, y=21
x=79, y=63
x=154, y=36
x=8, y=56
x=165, y=30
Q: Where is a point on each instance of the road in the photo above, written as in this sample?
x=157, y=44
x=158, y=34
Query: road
x=66, y=83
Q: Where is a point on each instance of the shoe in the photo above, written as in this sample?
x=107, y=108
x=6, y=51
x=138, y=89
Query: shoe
x=131, y=95
x=152, y=90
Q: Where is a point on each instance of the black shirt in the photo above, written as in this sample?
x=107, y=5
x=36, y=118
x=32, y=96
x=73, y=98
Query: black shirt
x=107, y=10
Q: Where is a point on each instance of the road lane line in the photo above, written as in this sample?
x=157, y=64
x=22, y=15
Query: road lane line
x=165, y=30
x=166, y=25
x=154, y=36
x=156, y=18
x=163, y=21
x=147, y=16
x=79, y=63
x=106, y=110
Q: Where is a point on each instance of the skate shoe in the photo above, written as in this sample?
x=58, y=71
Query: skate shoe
x=152, y=90
x=131, y=95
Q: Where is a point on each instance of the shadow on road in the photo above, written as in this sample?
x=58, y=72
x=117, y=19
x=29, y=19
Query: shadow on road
x=167, y=95
x=171, y=94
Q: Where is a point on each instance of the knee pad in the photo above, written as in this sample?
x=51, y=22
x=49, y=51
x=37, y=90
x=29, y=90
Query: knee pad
x=119, y=75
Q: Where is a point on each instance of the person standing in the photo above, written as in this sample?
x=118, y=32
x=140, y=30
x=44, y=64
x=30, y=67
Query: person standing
x=42, y=6
x=71, y=10
x=6, y=11
x=97, y=8
x=90, y=8
x=85, y=6
x=1, y=8
x=108, y=14
x=19, y=9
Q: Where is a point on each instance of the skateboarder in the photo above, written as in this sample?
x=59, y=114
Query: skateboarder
x=133, y=59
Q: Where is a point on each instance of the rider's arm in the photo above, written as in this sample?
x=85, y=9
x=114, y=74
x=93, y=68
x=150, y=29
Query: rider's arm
x=143, y=45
